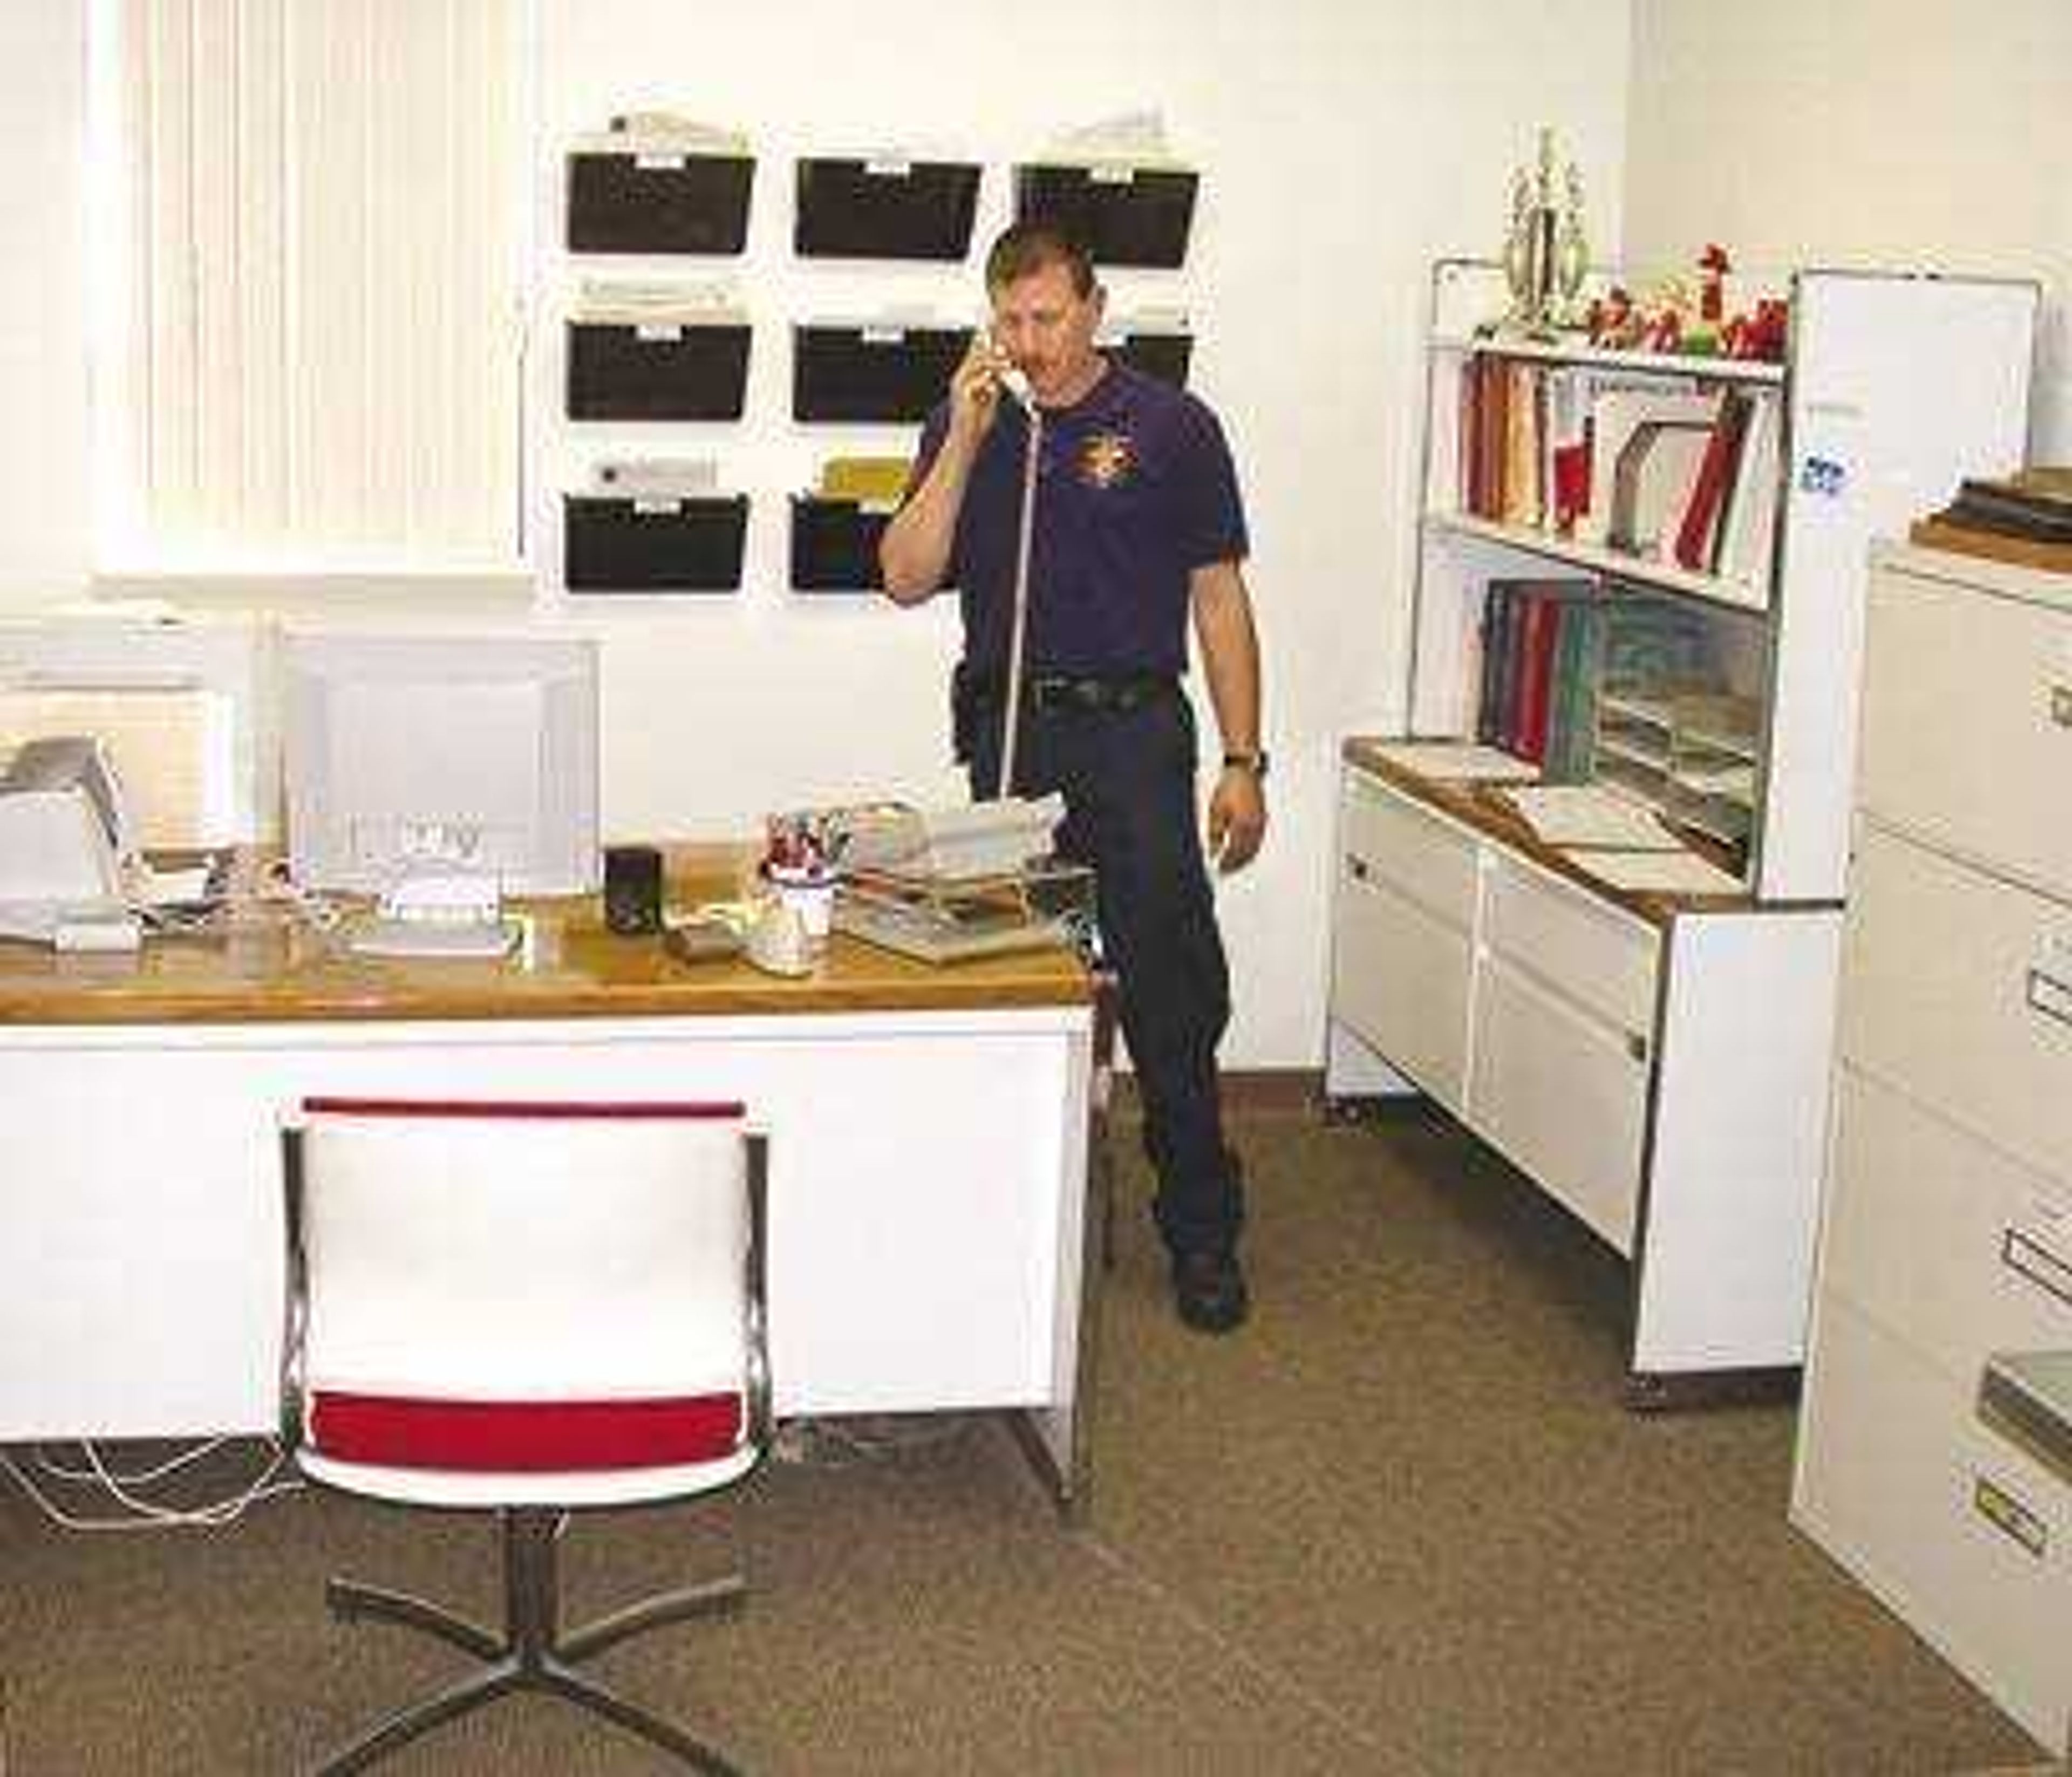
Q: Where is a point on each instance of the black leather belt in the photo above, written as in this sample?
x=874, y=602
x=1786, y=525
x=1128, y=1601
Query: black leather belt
x=1094, y=693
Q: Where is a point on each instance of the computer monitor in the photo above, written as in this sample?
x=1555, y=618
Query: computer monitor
x=183, y=708
x=409, y=755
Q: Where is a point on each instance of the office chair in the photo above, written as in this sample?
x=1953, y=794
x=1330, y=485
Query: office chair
x=527, y=1307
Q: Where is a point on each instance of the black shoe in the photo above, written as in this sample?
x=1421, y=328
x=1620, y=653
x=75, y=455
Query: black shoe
x=1208, y=1289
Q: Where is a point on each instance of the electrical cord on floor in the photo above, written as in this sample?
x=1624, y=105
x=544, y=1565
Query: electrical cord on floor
x=140, y=1513
x=854, y=1439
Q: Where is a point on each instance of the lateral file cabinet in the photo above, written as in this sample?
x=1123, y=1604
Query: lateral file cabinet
x=1947, y=1223
x=1657, y=1069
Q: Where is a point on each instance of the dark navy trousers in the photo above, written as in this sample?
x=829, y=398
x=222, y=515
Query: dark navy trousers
x=1127, y=779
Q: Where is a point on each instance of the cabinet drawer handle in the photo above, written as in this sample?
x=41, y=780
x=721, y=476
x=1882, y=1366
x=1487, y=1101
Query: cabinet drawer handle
x=1636, y=1045
x=2050, y=996
x=2060, y=705
x=1358, y=868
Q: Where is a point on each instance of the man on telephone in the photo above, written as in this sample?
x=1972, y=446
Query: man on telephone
x=1136, y=525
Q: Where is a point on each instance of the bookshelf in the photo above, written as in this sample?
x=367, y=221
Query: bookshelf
x=1643, y=575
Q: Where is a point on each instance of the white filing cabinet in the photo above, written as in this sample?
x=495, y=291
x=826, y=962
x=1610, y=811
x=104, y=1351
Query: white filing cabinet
x=1947, y=1221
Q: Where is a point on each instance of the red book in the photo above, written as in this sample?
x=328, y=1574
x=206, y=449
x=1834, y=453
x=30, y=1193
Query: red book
x=1708, y=487
x=1536, y=671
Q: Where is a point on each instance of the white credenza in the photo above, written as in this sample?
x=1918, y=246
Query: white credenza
x=1658, y=1070
x=1947, y=1223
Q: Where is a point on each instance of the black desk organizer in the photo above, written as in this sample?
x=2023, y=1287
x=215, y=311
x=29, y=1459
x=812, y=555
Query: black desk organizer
x=640, y=543
x=1132, y=217
x=891, y=373
x=834, y=544
x=859, y=209
x=631, y=201
x=657, y=371
x=1164, y=356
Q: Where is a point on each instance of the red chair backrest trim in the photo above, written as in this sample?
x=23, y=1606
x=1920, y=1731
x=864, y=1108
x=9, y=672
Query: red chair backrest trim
x=524, y=1437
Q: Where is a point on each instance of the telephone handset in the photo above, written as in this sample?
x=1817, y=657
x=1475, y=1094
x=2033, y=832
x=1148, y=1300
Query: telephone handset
x=1015, y=381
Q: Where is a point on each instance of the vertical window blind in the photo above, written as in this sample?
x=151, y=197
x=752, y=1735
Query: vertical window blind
x=311, y=347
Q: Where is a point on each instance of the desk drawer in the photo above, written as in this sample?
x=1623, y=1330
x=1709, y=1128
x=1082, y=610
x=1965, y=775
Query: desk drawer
x=1595, y=954
x=1425, y=859
x=1949, y=1246
x=1399, y=980
x=1563, y=1094
x=1958, y=989
x=1967, y=723
x=1900, y=1482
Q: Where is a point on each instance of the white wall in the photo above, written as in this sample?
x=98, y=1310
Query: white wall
x=1901, y=132
x=1343, y=144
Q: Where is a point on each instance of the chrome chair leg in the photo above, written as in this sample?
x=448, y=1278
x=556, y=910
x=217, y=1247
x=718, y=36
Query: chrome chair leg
x=384, y=1737
x=715, y=1598
x=532, y=1654
x=577, y=1688
x=350, y=1600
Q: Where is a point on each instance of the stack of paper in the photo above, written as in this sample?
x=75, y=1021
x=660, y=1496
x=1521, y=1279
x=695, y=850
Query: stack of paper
x=1590, y=817
x=872, y=481
x=1658, y=873
x=1459, y=761
x=655, y=478
x=675, y=302
x=664, y=133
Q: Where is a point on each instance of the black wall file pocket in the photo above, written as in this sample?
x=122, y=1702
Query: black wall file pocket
x=657, y=371
x=884, y=209
x=834, y=544
x=1125, y=215
x=653, y=544
x=892, y=372
x=1164, y=356
x=632, y=202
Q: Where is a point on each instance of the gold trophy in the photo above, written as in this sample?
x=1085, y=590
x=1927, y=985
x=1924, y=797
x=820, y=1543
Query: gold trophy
x=1546, y=257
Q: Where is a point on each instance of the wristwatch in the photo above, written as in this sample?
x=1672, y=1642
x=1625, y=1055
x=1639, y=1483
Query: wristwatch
x=1254, y=761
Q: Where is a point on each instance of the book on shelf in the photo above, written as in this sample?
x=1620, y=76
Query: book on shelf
x=1741, y=539
x=1652, y=482
x=1521, y=695
x=1697, y=530
x=1615, y=412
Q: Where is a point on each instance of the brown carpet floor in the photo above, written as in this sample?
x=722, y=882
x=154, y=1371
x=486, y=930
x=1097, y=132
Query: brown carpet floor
x=1401, y=1525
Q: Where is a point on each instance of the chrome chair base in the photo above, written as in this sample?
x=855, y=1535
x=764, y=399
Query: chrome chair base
x=532, y=1653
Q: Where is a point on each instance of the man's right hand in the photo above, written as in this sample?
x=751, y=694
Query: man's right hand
x=975, y=389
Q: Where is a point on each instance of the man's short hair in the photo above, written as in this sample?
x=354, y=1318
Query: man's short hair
x=1027, y=247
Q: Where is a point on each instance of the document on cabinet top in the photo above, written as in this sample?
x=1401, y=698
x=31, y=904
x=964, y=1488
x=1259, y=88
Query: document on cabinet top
x=1458, y=762
x=1589, y=816
x=1658, y=873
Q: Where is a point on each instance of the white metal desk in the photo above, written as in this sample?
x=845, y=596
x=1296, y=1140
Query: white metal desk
x=931, y=1242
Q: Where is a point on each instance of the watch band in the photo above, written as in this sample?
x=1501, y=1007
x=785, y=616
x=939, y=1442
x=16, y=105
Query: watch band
x=1254, y=761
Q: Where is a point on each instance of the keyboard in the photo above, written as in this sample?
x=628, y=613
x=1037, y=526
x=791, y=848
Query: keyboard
x=432, y=937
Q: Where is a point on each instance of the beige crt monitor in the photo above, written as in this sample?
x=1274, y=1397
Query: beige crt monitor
x=455, y=755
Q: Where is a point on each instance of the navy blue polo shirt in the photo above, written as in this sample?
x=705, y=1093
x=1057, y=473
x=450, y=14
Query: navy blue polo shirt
x=1135, y=489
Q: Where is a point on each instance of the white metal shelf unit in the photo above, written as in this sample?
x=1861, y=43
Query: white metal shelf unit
x=1872, y=434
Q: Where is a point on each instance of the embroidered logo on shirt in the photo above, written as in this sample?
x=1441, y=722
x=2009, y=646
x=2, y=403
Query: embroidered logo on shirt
x=1106, y=459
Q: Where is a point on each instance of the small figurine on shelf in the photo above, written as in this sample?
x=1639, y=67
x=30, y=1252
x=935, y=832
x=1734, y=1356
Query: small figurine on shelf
x=1712, y=269
x=1761, y=335
x=1612, y=324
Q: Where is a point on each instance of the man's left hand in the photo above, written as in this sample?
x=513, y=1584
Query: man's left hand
x=1237, y=818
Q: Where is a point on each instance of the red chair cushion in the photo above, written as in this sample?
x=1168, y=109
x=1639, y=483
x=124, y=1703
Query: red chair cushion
x=524, y=1437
